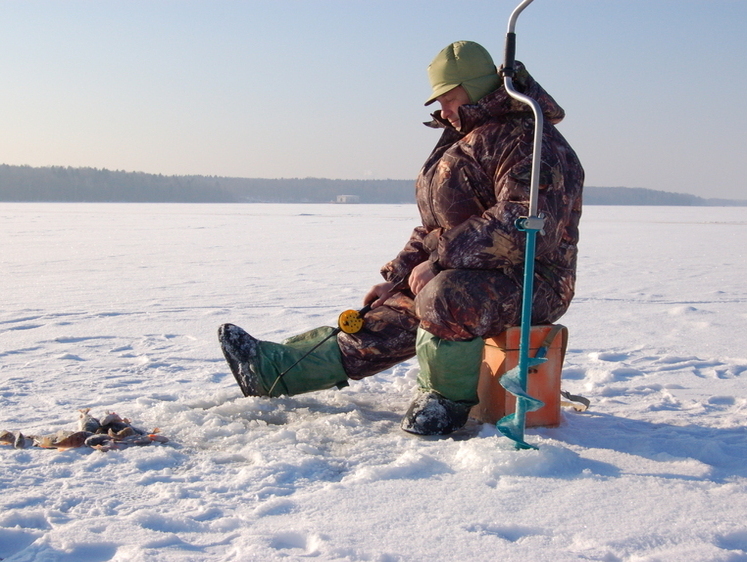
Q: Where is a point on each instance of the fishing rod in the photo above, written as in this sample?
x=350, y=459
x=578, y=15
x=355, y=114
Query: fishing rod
x=349, y=321
x=515, y=381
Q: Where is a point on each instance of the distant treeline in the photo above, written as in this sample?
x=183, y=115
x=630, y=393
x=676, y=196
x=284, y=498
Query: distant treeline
x=60, y=184
x=24, y=183
x=640, y=196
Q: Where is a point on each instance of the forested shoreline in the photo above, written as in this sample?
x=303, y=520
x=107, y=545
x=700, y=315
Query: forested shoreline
x=67, y=184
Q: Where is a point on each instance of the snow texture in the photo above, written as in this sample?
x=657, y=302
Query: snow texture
x=116, y=307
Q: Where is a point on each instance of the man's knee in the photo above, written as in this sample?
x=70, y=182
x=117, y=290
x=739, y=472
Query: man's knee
x=460, y=305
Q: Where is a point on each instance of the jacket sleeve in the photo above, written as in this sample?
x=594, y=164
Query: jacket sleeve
x=492, y=240
x=414, y=253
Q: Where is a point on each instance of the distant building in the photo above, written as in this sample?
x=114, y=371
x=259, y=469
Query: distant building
x=348, y=199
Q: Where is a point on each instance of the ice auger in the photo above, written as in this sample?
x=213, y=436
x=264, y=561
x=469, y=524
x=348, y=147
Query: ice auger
x=515, y=380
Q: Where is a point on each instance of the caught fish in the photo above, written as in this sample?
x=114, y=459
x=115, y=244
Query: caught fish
x=97, y=440
x=122, y=433
x=22, y=442
x=111, y=432
x=110, y=418
x=45, y=442
x=136, y=440
x=77, y=439
x=86, y=422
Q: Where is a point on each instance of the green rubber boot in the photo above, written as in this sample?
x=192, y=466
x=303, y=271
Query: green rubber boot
x=257, y=365
x=449, y=371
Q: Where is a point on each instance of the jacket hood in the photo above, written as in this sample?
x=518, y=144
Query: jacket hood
x=499, y=103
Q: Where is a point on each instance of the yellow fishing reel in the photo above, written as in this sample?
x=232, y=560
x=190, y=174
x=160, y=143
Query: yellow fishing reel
x=351, y=321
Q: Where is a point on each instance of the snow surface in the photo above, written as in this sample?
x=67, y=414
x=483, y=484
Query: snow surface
x=116, y=306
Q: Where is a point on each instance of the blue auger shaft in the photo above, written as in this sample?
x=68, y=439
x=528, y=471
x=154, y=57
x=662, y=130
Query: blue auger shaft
x=526, y=325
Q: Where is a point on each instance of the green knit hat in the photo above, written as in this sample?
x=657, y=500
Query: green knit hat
x=466, y=64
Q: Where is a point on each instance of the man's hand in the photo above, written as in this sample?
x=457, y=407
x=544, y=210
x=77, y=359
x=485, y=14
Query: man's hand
x=420, y=276
x=380, y=293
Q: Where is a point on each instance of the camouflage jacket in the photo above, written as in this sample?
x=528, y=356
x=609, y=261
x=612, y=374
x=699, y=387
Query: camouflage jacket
x=475, y=184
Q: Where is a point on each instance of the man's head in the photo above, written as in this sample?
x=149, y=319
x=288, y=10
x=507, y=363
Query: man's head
x=450, y=103
x=465, y=64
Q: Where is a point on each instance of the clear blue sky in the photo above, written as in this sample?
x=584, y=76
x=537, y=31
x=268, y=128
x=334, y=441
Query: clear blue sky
x=654, y=90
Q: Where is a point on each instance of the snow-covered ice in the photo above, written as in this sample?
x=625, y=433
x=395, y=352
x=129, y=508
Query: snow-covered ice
x=116, y=307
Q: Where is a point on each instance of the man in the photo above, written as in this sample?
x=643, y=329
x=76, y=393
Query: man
x=458, y=279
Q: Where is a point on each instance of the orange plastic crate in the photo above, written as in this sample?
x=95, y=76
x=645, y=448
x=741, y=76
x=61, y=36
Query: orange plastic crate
x=501, y=355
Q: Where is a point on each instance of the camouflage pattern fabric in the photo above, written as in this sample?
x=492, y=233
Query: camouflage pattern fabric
x=471, y=190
